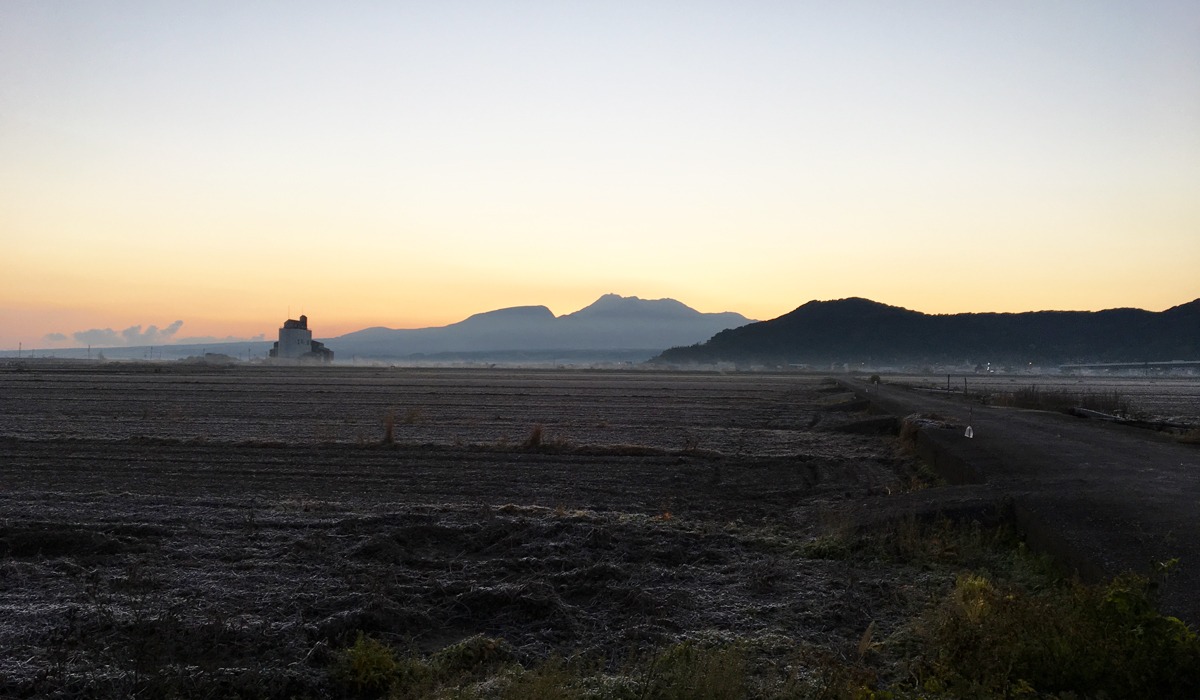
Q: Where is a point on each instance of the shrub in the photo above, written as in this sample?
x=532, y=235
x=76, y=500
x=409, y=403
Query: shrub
x=826, y=547
x=990, y=641
x=372, y=668
x=368, y=666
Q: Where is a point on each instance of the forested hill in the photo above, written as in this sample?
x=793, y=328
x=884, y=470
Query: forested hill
x=859, y=330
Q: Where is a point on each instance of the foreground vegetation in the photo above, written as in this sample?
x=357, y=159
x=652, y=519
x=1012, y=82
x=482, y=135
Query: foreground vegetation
x=1009, y=626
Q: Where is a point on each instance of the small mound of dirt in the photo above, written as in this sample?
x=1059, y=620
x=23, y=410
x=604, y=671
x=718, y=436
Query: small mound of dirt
x=380, y=617
x=877, y=425
x=52, y=541
x=380, y=548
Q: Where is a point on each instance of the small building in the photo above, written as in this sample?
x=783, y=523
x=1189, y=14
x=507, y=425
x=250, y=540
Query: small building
x=296, y=343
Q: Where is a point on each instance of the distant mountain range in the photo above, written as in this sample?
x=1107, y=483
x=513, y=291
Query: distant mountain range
x=614, y=326
x=863, y=331
x=613, y=329
x=629, y=329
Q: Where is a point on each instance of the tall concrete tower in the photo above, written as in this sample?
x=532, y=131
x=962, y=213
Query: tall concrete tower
x=295, y=340
x=296, y=343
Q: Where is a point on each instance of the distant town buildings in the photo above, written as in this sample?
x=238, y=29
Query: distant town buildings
x=296, y=343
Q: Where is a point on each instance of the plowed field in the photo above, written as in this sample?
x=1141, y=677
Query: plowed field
x=198, y=530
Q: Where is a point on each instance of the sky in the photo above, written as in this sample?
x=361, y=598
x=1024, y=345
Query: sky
x=226, y=164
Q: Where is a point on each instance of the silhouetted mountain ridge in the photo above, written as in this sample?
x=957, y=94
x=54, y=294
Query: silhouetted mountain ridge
x=612, y=322
x=858, y=330
x=616, y=306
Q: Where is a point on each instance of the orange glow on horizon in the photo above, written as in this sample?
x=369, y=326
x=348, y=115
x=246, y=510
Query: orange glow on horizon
x=385, y=165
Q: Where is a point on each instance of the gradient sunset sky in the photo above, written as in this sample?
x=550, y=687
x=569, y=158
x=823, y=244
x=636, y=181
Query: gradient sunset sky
x=409, y=164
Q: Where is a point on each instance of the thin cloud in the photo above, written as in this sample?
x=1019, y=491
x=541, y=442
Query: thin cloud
x=152, y=335
x=134, y=335
x=97, y=336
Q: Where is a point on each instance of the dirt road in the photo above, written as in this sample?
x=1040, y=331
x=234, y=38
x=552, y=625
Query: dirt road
x=1103, y=498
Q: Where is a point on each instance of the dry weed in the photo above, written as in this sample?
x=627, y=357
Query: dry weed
x=1112, y=403
x=389, y=425
x=535, y=437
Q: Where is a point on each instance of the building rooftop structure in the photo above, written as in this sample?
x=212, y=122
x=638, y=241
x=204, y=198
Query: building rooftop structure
x=296, y=343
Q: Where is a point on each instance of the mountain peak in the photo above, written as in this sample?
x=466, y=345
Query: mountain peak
x=615, y=305
x=848, y=303
x=517, y=314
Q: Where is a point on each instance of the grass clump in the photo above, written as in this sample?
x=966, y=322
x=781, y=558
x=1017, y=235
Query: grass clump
x=369, y=666
x=827, y=547
x=552, y=680
x=939, y=543
x=537, y=440
x=685, y=671
x=991, y=640
x=471, y=655
x=690, y=671
x=952, y=544
x=921, y=476
x=480, y=667
x=389, y=426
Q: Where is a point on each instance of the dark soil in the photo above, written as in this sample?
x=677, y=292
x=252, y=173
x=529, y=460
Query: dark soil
x=203, y=533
